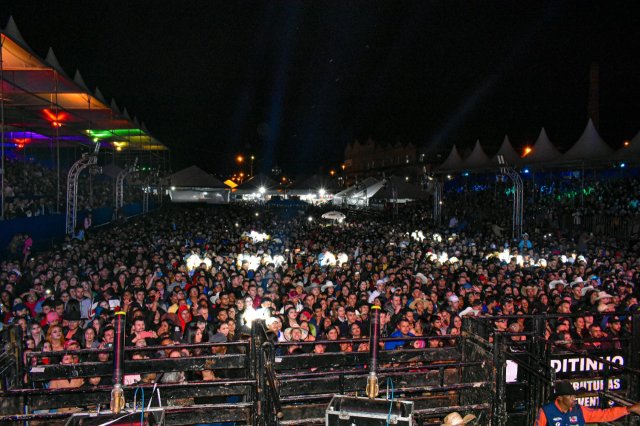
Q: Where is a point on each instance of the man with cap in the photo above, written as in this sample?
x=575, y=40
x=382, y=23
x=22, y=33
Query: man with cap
x=564, y=410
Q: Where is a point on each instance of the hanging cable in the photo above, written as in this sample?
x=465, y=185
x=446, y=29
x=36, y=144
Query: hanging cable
x=389, y=382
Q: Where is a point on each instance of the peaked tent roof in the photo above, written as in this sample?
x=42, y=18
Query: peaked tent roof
x=506, y=150
x=477, y=159
x=314, y=183
x=543, y=150
x=590, y=146
x=403, y=190
x=257, y=181
x=631, y=152
x=194, y=177
x=453, y=161
x=369, y=186
x=30, y=83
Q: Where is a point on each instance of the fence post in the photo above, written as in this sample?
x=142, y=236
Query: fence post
x=256, y=372
x=498, y=406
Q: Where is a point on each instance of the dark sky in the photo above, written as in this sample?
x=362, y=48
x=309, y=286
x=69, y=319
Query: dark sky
x=293, y=82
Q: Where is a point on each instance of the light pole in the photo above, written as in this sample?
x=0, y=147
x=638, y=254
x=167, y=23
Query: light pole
x=252, y=158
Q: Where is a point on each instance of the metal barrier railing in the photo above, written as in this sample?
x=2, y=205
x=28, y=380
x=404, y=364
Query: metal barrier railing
x=612, y=374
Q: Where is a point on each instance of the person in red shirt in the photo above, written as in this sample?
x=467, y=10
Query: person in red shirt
x=564, y=411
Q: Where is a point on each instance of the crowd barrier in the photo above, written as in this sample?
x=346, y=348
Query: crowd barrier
x=498, y=376
x=531, y=366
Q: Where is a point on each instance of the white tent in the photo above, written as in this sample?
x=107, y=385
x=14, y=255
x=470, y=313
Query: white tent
x=359, y=194
x=258, y=184
x=477, y=159
x=194, y=185
x=543, y=151
x=510, y=155
x=194, y=177
x=590, y=146
x=453, y=161
x=396, y=188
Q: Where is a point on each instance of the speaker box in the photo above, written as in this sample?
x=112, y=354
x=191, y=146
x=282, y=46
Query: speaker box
x=355, y=411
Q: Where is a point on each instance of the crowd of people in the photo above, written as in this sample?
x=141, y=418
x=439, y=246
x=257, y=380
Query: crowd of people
x=551, y=205
x=196, y=274
x=30, y=190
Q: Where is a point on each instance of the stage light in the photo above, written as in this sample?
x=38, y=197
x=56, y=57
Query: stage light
x=623, y=165
x=262, y=189
x=527, y=150
x=465, y=174
x=173, y=188
x=525, y=171
x=310, y=218
x=322, y=192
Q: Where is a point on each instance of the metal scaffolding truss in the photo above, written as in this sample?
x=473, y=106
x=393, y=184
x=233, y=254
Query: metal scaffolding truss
x=518, y=197
x=120, y=184
x=437, y=201
x=72, y=187
x=146, y=190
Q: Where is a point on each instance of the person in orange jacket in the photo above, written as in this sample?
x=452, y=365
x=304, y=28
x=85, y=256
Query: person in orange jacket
x=564, y=411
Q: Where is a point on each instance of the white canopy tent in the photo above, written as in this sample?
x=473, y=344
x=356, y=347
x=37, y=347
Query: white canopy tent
x=194, y=185
x=510, y=155
x=359, y=194
x=453, y=161
x=543, y=151
x=590, y=146
x=477, y=159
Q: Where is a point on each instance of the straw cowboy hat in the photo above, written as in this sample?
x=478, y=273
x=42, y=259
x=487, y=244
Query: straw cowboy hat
x=455, y=419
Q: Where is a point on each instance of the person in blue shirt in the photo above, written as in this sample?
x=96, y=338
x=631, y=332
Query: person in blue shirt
x=525, y=243
x=403, y=328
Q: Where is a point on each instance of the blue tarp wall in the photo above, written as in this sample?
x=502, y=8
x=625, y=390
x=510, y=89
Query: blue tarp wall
x=50, y=229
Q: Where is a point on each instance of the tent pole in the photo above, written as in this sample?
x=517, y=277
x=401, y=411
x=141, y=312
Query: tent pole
x=57, y=135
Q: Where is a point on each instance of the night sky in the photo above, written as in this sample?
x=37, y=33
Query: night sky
x=293, y=82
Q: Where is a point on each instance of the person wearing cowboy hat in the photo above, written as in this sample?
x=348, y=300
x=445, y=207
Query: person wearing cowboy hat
x=564, y=410
x=455, y=419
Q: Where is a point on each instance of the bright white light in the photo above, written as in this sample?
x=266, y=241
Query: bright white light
x=310, y=218
x=249, y=315
x=437, y=238
x=193, y=262
x=406, y=178
x=418, y=236
x=257, y=214
x=443, y=257
x=237, y=224
x=173, y=188
x=278, y=260
x=258, y=237
x=342, y=258
x=449, y=177
x=262, y=189
x=329, y=259
x=504, y=256
x=205, y=193
x=322, y=192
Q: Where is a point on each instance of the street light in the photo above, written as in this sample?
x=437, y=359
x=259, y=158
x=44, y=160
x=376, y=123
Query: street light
x=239, y=159
x=252, y=158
